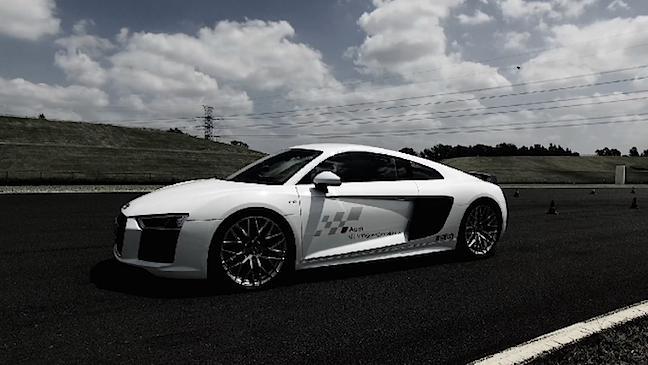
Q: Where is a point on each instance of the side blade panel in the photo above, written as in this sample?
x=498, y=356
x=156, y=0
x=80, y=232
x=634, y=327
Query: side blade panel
x=429, y=215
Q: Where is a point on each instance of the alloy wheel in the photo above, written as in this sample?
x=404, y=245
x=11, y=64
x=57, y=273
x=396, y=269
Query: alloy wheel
x=481, y=230
x=253, y=251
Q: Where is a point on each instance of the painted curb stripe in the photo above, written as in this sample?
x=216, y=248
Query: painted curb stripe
x=553, y=341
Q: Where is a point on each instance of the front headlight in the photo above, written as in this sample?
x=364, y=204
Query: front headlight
x=162, y=221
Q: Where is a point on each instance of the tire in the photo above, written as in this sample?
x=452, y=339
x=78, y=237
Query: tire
x=480, y=230
x=251, y=250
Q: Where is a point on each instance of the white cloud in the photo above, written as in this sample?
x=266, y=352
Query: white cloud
x=603, y=45
x=521, y=9
x=479, y=18
x=174, y=74
x=77, y=58
x=28, y=19
x=22, y=97
x=554, y=9
x=572, y=8
x=255, y=53
x=406, y=38
x=216, y=66
x=80, y=68
x=516, y=40
x=617, y=5
x=81, y=27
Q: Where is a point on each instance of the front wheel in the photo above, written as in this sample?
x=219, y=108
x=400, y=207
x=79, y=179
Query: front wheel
x=250, y=252
x=480, y=229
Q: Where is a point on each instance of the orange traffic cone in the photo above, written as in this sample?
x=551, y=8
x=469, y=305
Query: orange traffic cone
x=633, y=191
x=634, y=204
x=517, y=193
x=552, y=208
x=593, y=192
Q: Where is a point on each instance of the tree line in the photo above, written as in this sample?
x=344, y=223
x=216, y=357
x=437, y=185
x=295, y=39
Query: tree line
x=633, y=152
x=441, y=152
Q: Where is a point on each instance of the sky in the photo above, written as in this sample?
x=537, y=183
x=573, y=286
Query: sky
x=388, y=73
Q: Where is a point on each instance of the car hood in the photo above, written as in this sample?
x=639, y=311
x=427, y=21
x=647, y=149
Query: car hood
x=183, y=197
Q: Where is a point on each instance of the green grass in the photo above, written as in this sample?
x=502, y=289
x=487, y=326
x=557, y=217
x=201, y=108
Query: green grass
x=626, y=344
x=555, y=169
x=37, y=152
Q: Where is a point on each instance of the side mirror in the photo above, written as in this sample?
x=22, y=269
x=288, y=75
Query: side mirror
x=325, y=179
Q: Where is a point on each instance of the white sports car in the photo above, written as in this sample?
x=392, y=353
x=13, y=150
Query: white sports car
x=309, y=206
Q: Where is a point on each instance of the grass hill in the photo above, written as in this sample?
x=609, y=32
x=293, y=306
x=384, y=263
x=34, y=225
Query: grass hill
x=34, y=151
x=41, y=151
x=555, y=169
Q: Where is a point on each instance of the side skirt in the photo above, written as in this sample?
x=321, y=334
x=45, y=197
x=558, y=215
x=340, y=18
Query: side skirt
x=405, y=246
x=417, y=249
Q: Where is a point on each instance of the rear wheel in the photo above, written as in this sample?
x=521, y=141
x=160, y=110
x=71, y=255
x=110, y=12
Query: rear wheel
x=480, y=229
x=251, y=251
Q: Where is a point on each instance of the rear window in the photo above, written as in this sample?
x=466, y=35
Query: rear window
x=410, y=170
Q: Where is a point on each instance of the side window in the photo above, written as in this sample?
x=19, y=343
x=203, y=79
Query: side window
x=409, y=170
x=356, y=167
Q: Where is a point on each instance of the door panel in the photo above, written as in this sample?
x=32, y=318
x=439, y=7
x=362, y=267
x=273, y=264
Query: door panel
x=355, y=216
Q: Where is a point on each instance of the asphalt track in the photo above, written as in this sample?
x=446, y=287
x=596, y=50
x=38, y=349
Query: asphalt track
x=63, y=299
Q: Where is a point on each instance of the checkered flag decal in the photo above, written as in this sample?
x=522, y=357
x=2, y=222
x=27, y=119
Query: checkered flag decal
x=338, y=221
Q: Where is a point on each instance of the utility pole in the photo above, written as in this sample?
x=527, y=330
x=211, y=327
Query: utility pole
x=208, y=123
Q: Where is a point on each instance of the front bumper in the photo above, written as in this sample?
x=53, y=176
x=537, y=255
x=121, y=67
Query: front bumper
x=184, y=258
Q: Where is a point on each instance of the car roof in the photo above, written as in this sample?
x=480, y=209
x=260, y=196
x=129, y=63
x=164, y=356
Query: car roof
x=334, y=148
x=342, y=147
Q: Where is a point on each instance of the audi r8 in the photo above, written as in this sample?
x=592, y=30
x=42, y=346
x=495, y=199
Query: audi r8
x=309, y=206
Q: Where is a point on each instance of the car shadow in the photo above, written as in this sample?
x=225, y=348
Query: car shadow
x=114, y=276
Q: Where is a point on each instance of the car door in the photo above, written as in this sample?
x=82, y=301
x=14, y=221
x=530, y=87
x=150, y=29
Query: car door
x=433, y=205
x=369, y=210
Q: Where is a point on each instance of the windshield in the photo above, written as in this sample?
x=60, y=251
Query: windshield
x=277, y=169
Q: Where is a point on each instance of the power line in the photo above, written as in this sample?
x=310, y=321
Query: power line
x=233, y=116
x=518, y=126
x=468, y=91
x=448, y=128
x=384, y=119
x=489, y=97
x=166, y=119
x=492, y=113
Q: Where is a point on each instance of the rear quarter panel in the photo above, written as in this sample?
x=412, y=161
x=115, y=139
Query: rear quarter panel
x=465, y=190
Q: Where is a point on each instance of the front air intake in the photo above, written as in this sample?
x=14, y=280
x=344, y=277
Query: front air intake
x=158, y=245
x=119, y=229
